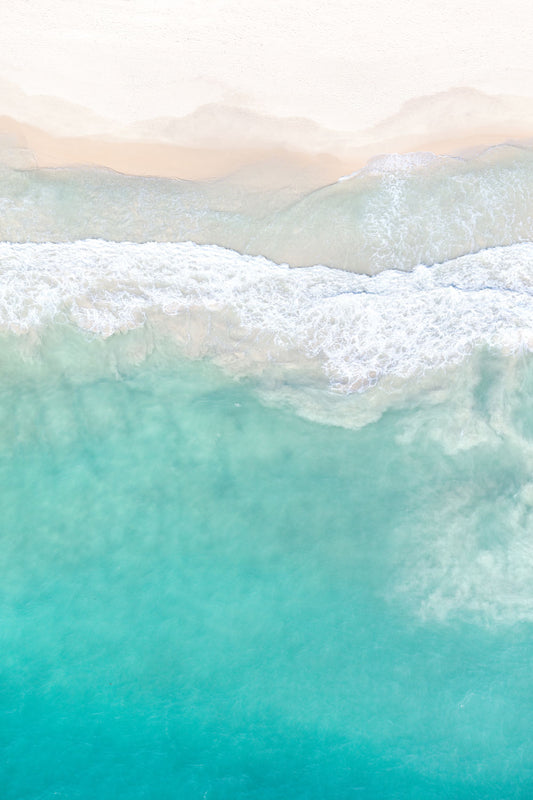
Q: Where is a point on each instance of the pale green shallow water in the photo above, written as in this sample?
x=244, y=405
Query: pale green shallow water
x=203, y=597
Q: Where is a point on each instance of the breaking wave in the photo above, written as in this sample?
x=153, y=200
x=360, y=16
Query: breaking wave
x=349, y=332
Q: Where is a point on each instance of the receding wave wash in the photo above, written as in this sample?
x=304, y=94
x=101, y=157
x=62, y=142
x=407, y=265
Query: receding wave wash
x=397, y=212
x=266, y=532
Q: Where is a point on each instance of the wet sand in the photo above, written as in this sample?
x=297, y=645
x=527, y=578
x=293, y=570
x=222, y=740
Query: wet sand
x=27, y=145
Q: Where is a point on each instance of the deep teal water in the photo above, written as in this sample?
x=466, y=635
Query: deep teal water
x=204, y=597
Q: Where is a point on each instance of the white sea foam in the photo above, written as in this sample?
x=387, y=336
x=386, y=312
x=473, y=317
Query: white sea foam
x=471, y=555
x=358, y=330
x=396, y=164
x=467, y=550
x=401, y=163
x=455, y=574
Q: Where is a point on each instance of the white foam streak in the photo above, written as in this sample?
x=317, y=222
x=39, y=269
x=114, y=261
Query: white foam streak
x=361, y=330
x=455, y=568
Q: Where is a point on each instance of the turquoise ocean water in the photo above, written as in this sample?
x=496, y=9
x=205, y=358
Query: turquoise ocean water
x=266, y=532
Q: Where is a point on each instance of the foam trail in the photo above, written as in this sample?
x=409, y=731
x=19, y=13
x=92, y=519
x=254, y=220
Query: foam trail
x=249, y=313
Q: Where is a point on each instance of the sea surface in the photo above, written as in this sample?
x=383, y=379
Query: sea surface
x=266, y=485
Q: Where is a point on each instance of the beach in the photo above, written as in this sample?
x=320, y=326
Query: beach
x=148, y=90
x=266, y=440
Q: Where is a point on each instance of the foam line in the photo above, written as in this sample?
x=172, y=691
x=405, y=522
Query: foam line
x=361, y=330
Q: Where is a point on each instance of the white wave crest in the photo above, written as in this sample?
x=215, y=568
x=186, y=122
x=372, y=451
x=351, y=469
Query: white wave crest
x=359, y=330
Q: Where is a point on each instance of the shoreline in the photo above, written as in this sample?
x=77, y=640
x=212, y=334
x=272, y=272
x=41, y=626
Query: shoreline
x=262, y=166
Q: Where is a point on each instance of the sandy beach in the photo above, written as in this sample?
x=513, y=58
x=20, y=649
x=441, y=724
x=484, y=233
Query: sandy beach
x=308, y=153
x=139, y=88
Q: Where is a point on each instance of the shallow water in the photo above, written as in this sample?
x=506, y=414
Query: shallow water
x=296, y=330
x=397, y=212
x=206, y=597
x=265, y=533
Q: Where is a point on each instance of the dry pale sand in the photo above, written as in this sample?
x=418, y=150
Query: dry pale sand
x=200, y=90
